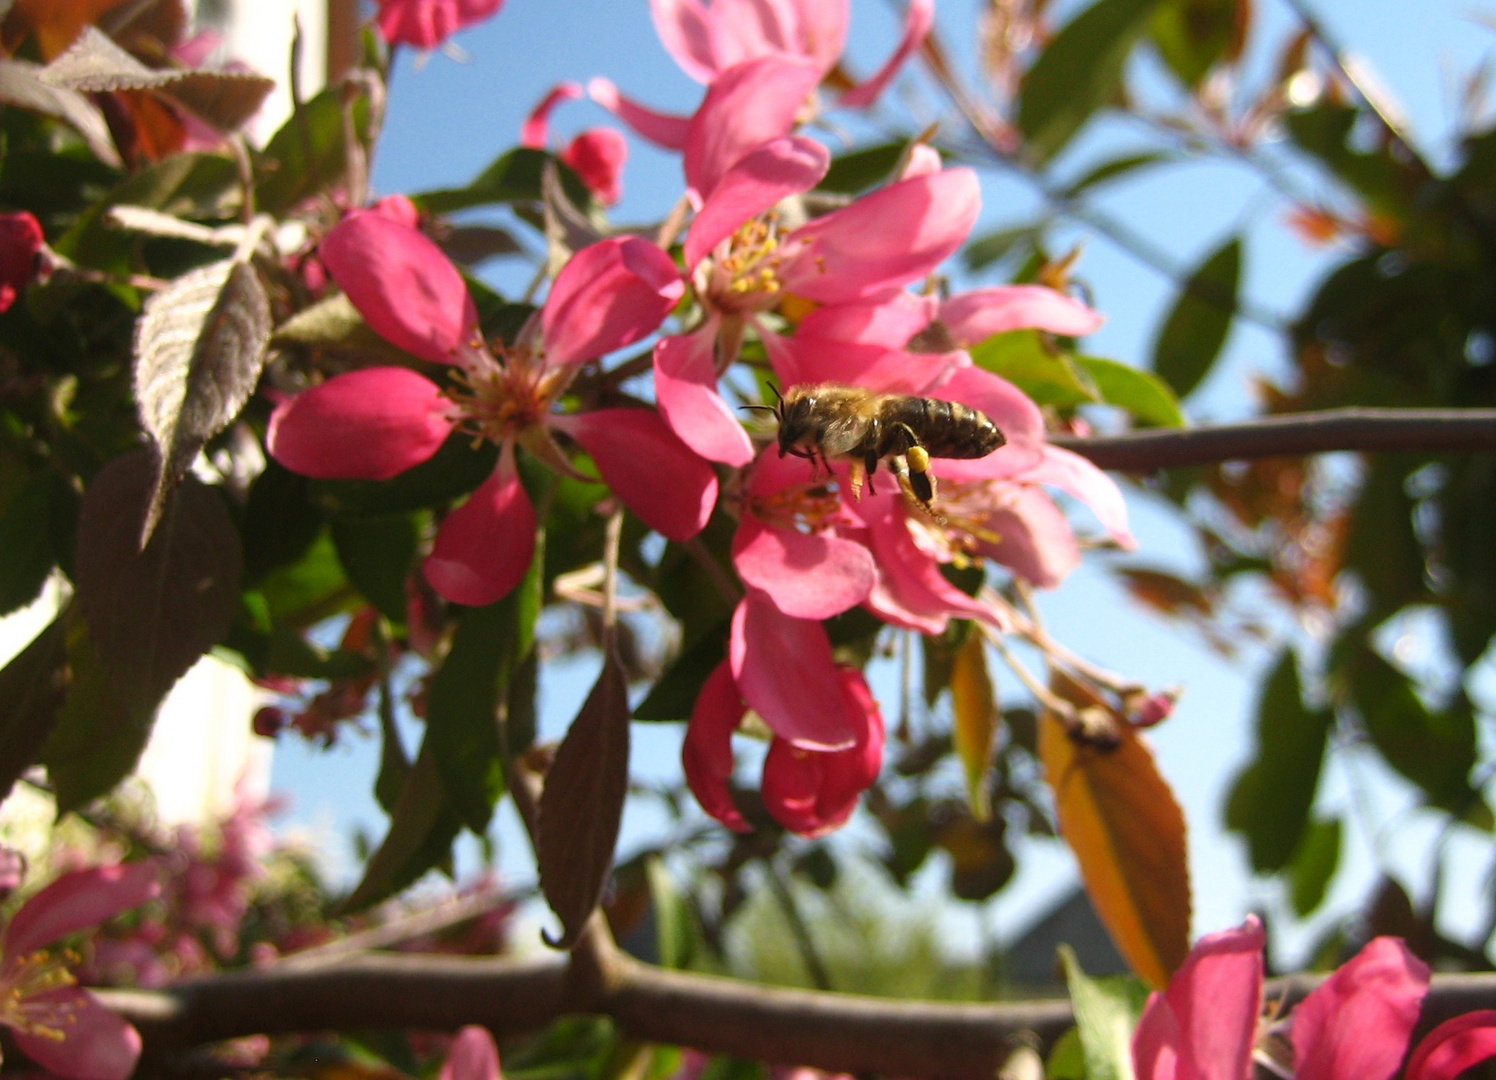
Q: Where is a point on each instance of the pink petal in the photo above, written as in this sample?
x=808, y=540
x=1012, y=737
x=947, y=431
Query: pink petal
x=686, y=392
x=77, y=901
x=924, y=160
x=976, y=315
x=662, y=129
x=472, y=1056
x=398, y=208
x=408, y=292
x=368, y=424
x=884, y=240
x=918, y=19
x=756, y=183
x=807, y=575
x=1033, y=538
x=785, y=673
x=1453, y=1047
x=1214, y=999
x=745, y=107
x=425, y=24
x=484, y=548
x=806, y=360
x=1077, y=477
x=1156, y=1042
x=1356, y=1024
x=657, y=476
x=607, y=296
x=890, y=323
x=99, y=1044
x=706, y=753
x=21, y=244
x=533, y=131
x=686, y=30
x=598, y=155
x=812, y=793
x=911, y=592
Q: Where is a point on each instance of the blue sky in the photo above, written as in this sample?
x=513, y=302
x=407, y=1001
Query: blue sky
x=447, y=120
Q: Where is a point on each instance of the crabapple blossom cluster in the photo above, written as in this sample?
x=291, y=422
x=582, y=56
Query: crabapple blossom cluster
x=843, y=297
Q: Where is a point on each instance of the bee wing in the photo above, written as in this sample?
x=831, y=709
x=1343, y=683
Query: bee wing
x=842, y=435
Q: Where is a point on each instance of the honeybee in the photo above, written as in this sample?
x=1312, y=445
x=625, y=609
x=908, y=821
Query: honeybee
x=828, y=421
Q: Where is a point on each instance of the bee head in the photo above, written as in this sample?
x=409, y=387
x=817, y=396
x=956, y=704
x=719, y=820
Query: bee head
x=794, y=416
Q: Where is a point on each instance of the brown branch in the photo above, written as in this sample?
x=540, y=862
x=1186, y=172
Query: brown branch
x=1292, y=435
x=836, y=1032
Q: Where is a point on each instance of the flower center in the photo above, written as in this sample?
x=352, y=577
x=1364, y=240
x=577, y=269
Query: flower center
x=29, y=977
x=963, y=526
x=802, y=508
x=498, y=400
x=744, y=275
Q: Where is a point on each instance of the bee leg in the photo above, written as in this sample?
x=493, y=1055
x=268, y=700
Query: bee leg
x=856, y=473
x=915, y=485
x=919, y=472
x=870, y=463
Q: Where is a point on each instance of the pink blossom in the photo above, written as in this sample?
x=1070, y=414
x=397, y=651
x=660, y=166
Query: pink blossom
x=708, y=39
x=425, y=24
x=376, y=422
x=597, y=155
x=60, y=1026
x=808, y=791
x=472, y=1056
x=1353, y=1026
x=22, y=258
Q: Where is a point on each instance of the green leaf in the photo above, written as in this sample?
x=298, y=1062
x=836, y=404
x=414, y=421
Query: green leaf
x=1327, y=130
x=982, y=251
x=1195, y=331
x=851, y=174
x=1271, y=798
x=376, y=554
x=1106, y=1012
x=1142, y=393
x=454, y=470
x=1193, y=36
x=308, y=153
x=26, y=540
x=674, y=695
x=1382, y=547
x=1435, y=750
x=1115, y=168
x=1467, y=520
x=673, y=924
x=280, y=522
x=309, y=590
x=512, y=177
x=1078, y=73
x=420, y=836
x=1313, y=865
x=1067, y=1058
x=462, y=710
x=1028, y=362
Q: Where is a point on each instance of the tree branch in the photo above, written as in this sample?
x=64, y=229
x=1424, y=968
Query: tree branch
x=835, y=1032
x=1292, y=435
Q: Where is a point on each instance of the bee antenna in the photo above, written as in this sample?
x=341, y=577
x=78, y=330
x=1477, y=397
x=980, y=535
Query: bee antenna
x=761, y=408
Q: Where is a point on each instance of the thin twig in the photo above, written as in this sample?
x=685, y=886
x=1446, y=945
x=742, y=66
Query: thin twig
x=1429, y=431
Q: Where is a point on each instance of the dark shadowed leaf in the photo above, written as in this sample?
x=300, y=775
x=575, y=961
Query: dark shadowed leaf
x=280, y=521
x=1270, y=799
x=377, y=553
x=1195, y=331
x=462, y=711
x=1121, y=819
x=1313, y=865
x=1193, y=36
x=1077, y=72
x=21, y=86
x=469, y=245
x=199, y=348
x=1106, y=1012
x=32, y=688
x=981, y=863
x=513, y=177
x=853, y=173
x=1141, y=393
x=420, y=836
x=151, y=613
x=454, y=470
x=308, y=151
x=1467, y=515
x=98, y=735
x=976, y=717
x=674, y=695
x=582, y=804
x=26, y=539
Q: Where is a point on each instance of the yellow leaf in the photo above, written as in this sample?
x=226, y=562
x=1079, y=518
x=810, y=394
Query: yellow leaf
x=1127, y=831
x=977, y=715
